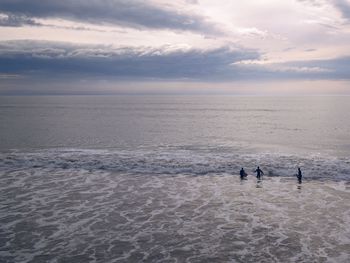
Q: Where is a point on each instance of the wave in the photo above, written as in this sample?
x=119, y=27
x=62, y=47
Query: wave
x=175, y=161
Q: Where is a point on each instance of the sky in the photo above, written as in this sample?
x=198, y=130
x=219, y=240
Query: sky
x=178, y=46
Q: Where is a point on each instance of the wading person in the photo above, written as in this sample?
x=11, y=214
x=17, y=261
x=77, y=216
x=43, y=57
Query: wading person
x=299, y=175
x=242, y=174
x=259, y=173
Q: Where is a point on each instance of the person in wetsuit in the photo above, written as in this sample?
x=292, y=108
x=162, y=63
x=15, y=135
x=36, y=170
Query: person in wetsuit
x=242, y=174
x=259, y=173
x=299, y=175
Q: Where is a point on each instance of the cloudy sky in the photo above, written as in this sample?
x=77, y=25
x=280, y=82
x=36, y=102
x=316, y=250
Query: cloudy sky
x=178, y=46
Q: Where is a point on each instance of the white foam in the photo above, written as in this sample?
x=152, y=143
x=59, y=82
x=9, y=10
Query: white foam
x=177, y=161
x=142, y=205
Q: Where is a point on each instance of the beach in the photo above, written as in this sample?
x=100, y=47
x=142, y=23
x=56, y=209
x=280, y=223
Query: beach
x=109, y=217
x=186, y=131
x=156, y=179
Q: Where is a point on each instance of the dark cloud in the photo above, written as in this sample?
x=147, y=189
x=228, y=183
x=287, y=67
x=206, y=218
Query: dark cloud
x=16, y=21
x=43, y=60
x=336, y=68
x=326, y=69
x=344, y=7
x=21, y=20
x=130, y=13
x=167, y=62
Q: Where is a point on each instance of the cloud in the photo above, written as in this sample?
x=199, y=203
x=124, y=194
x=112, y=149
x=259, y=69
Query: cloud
x=326, y=69
x=127, y=13
x=16, y=21
x=166, y=62
x=300, y=69
x=317, y=3
x=40, y=59
x=341, y=5
x=344, y=7
x=333, y=69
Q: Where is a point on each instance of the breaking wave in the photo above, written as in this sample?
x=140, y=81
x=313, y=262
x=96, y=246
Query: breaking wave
x=174, y=161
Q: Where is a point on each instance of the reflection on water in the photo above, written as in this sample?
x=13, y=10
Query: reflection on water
x=259, y=184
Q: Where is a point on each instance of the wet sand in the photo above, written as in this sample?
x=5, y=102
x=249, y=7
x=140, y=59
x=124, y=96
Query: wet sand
x=80, y=216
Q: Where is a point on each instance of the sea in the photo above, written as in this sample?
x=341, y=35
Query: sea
x=155, y=178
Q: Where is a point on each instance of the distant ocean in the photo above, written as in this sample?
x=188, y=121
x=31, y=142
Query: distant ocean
x=155, y=179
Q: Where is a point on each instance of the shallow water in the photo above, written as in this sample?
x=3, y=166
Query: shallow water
x=79, y=216
x=155, y=179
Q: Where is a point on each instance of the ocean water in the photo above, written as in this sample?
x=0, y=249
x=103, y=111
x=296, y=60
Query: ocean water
x=155, y=179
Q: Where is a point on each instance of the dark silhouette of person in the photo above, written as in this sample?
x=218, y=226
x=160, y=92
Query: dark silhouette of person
x=259, y=173
x=299, y=175
x=242, y=174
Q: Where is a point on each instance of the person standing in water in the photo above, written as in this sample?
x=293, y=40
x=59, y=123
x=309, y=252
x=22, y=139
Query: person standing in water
x=242, y=174
x=259, y=173
x=299, y=175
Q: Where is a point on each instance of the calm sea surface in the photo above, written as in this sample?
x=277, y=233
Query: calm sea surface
x=154, y=179
x=314, y=124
